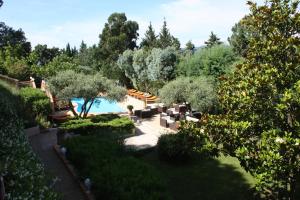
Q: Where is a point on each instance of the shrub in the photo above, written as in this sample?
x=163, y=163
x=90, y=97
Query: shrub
x=36, y=100
x=36, y=105
x=114, y=174
x=174, y=147
x=99, y=124
x=189, y=142
x=104, y=118
x=24, y=175
x=130, y=107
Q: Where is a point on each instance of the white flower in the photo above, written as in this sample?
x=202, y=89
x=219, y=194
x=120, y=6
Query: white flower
x=279, y=140
x=201, y=130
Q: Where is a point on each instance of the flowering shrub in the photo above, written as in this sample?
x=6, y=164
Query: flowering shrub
x=24, y=175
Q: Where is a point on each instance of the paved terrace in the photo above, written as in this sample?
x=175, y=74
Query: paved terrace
x=147, y=130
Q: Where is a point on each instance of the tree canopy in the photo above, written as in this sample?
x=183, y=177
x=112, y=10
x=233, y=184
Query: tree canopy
x=118, y=35
x=213, y=40
x=260, y=124
x=240, y=38
x=69, y=84
x=215, y=61
x=166, y=39
x=203, y=98
x=150, y=38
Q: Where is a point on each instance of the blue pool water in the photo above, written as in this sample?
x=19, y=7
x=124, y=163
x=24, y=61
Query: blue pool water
x=100, y=105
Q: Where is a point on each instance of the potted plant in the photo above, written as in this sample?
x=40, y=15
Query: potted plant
x=130, y=108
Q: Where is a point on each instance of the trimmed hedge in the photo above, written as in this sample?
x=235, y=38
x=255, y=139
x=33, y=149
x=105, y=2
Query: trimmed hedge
x=114, y=174
x=24, y=175
x=36, y=100
x=99, y=124
x=36, y=105
x=174, y=147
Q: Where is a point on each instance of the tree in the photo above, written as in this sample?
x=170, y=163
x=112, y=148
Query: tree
x=190, y=46
x=9, y=36
x=69, y=84
x=240, y=38
x=147, y=70
x=161, y=64
x=57, y=65
x=166, y=39
x=1, y=3
x=213, y=40
x=68, y=50
x=215, y=61
x=150, y=38
x=83, y=47
x=41, y=55
x=260, y=123
x=118, y=35
x=203, y=98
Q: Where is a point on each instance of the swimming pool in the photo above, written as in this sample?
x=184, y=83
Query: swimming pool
x=100, y=105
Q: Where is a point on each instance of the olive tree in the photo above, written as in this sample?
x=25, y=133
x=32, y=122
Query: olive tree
x=69, y=84
x=199, y=92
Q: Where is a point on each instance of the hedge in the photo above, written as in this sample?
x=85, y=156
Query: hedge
x=96, y=125
x=24, y=175
x=114, y=174
x=35, y=100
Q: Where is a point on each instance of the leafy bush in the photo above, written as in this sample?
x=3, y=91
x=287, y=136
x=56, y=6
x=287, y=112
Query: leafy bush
x=189, y=141
x=36, y=100
x=203, y=98
x=104, y=118
x=114, y=174
x=35, y=103
x=99, y=124
x=174, y=147
x=214, y=61
x=24, y=175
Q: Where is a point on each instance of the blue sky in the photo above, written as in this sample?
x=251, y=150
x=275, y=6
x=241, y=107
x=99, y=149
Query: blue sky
x=58, y=22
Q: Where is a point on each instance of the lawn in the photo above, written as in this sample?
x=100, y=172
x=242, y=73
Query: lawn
x=221, y=178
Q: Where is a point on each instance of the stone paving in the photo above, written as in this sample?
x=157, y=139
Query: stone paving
x=148, y=131
x=42, y=145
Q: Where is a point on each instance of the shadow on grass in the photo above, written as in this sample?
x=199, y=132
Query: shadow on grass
x=221, y=178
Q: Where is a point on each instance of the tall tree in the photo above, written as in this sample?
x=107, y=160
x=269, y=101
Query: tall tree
x=9, y=36
x=41, y=55
x=166, y=39
x=240, y=38
x=150, y=39
x=261, y=121
x=1, y=3
x=68, y=50
x=213, y=40
x=118, y=35
x=83, y=47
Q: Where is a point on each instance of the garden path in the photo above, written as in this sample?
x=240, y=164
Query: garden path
x=42, y=145
x=147, y=133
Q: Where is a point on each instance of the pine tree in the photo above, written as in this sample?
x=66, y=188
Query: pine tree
x=166, y=39
x=68, y=50
x=150, y=40
x=83, y=47
x=213, y=40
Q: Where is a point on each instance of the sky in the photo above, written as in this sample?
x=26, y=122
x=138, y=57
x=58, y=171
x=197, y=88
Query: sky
x=58, y=22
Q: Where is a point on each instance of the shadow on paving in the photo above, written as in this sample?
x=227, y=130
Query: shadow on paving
x=213, y=179
x=42, y=145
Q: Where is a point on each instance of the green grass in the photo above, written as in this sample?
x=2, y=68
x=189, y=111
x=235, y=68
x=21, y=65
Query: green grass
x=221, y=178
